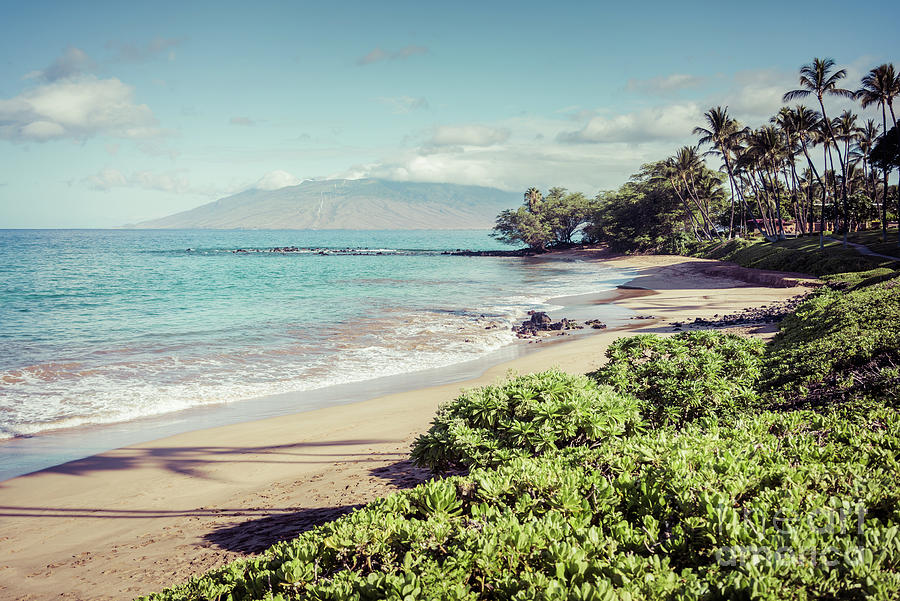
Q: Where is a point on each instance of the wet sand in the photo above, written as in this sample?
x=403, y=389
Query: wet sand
x=137, y=519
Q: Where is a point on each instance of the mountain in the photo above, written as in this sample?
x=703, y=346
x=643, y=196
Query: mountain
x=361, y=204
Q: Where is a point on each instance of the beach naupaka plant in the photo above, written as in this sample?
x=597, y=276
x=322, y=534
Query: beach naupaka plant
x=685, y=377
x=525, y=416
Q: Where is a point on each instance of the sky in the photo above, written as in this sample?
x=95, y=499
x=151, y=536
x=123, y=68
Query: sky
x=115, y=112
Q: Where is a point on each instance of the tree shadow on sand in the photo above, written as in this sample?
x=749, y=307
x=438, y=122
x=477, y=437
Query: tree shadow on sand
x=255, y=536
x=402, y=474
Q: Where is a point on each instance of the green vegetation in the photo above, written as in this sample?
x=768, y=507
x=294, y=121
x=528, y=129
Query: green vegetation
x=703, y=467
x=696, y=467
x=839, y=349
x=782, y=506
x=541, y=222
x=527, y=416
x=873, y=240
x=645, y=214
x=801, y=173
x=685, y=377
x=801, y=255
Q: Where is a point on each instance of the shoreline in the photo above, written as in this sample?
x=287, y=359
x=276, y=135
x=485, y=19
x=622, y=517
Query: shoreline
x=147, y=516
x=26, y=454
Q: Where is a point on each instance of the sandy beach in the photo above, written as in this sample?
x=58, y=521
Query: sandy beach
x=137, y=519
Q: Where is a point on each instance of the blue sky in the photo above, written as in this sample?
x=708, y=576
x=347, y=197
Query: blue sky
x=112, y=113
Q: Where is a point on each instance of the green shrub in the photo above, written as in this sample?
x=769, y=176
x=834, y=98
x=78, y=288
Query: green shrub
x=525, y=416
x=838, y=347
x=780, y=506
x=687, y=376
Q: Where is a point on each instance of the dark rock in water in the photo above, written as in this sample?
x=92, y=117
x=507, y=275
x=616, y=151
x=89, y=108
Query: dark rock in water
x=523, y=252
x=562, y=324
x=539, y=324
x=540, y=320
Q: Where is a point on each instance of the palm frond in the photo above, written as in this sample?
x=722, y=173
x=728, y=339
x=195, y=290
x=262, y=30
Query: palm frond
x=794, y=94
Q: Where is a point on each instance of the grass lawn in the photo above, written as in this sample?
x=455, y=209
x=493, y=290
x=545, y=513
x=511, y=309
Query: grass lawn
x=872, y=239
x=801, y=255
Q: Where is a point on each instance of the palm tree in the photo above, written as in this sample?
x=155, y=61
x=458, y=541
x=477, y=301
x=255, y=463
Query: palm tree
x=533, y=198
x=723, y=134
x=817, y=78
x=866, y=136
x=806, y=123
x=886, y=155
x=762, y=157
x=881, y=86
x=790, y=133
x=683, y=170
x=844, y=129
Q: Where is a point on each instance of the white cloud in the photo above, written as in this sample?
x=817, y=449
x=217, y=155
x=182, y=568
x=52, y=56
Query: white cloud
x=245, y=121
x=670, y=122
x=664, y=85
x=404, y=104
x=468, y=135
x=516, y=167
x=756, y=95
x=73, y=61
x=379, y=54
x=79, y=107
x=530, y=157
x=275, y=180
x=107, y=179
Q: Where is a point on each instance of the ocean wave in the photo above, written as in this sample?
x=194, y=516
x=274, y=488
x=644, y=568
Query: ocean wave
x=195, y=366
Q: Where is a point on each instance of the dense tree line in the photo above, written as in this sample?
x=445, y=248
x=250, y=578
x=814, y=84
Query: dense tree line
x=802, y=172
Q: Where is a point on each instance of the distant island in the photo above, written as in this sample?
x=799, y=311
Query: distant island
x=362, y=204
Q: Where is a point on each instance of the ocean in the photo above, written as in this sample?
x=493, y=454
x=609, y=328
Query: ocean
x=106, y=326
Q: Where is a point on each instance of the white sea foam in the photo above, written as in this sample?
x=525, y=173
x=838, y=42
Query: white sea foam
x=51, y=396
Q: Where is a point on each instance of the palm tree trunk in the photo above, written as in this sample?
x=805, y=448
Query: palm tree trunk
x=707, y=222
x=884, y=196
x=774, y=180
x=763, y=214
x=824, y=196
x=688, y=210
x=798, y=208
x=731, y=185
x=815, y=172
x=843, y=170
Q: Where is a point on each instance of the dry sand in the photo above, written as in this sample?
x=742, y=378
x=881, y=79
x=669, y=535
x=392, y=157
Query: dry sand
x=138, y=519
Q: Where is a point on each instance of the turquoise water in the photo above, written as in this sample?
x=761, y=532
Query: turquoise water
x=102, y=326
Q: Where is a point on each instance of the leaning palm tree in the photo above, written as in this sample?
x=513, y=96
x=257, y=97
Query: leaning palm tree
x=723, y=134
x=880, y=86
x=684, y=169
x=818, y=78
